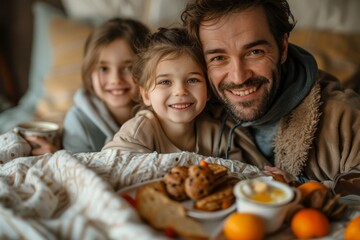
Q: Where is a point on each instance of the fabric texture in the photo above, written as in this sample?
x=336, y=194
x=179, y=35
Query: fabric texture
x=88, y=125
x=144, y=133
x=73, y=196
x=13, y=146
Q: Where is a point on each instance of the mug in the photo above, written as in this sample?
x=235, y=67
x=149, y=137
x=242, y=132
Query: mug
x=47, y=130
x=272, y=209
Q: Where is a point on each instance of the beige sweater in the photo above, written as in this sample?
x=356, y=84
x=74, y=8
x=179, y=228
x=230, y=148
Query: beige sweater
x=143, y=133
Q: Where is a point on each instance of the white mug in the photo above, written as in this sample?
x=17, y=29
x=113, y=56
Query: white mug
x=47, y=130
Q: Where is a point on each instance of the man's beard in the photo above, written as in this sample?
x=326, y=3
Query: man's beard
x=236, y=110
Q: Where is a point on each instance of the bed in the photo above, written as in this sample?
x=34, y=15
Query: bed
x=330, y=31
x=73, y=196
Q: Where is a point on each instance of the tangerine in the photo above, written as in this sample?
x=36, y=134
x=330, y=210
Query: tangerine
x=309, y=223
x=245, y=226
x=308, y=187
x=352, y=229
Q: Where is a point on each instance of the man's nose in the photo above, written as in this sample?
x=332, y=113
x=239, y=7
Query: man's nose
x=239, y=71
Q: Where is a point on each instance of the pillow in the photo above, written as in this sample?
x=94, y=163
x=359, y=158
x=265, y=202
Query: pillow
x=67, y=39
x=336, y=53
x=55, y=68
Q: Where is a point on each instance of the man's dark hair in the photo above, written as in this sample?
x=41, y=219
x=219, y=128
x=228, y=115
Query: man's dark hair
x=280, y=19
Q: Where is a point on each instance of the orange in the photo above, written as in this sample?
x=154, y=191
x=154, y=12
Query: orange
x=244, y=226
x=352, y=230
x=310, y=223
x=309, y=187
x=203, y=163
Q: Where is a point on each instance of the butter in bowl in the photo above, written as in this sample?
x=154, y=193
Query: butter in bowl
x=267, y=198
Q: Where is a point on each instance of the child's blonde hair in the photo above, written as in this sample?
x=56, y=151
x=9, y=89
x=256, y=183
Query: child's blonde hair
x=132, y=31
x=165, y=43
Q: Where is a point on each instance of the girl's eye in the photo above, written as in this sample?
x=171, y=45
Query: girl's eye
x=164, y=82
x=193, y=80
x=127, y=69
x=103, y=69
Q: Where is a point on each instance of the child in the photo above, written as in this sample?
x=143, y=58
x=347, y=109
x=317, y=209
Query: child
x=171, y=75
x=105, y=101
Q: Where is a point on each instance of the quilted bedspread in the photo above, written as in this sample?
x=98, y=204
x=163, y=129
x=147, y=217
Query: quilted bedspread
x=73, y=196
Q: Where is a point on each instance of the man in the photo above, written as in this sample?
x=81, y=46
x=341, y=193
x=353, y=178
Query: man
x=301, y=119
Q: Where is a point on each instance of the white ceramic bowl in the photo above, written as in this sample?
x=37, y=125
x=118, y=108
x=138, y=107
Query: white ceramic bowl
x=274, y=213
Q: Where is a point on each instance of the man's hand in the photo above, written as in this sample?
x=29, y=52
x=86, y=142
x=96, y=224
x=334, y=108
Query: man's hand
x=278, y=173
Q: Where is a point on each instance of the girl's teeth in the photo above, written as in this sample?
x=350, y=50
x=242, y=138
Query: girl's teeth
x=117, y=92
x=180, y=106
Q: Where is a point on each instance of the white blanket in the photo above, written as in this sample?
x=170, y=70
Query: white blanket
x=73, y=196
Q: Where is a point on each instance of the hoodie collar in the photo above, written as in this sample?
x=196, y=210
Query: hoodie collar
x=97, y=112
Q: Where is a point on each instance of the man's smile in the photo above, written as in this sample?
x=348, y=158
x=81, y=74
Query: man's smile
x=242, y=93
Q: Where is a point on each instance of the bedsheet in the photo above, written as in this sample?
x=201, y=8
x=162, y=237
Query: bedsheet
x=73, y=196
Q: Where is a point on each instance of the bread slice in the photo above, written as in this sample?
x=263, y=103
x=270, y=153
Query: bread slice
x=218, y=170
x=161, y=212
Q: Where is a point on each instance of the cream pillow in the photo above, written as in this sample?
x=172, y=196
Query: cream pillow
x=54, y=76
x=67, y=39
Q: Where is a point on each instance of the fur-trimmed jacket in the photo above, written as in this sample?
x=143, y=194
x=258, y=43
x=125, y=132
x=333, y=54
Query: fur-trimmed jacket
x=320, y=138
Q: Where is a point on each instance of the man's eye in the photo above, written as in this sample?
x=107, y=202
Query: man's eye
x=256, y=52
x=217, y=58
x=193, y=80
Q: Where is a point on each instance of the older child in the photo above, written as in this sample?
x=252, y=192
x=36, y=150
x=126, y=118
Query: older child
x=105, y=101
x=171, y=75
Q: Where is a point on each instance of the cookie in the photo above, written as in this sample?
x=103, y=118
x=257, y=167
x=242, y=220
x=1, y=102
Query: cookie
x=175, y=182
x=221, y=198
x=200, y=181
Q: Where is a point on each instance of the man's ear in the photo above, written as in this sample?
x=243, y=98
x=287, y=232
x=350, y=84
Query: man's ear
x=145, y=96
x=285, y=45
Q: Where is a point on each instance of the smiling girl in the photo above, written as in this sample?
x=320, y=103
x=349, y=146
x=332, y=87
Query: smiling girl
x=106, y=99
x=171, y=75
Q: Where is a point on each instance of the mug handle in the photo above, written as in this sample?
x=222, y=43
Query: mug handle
x=297, y=196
